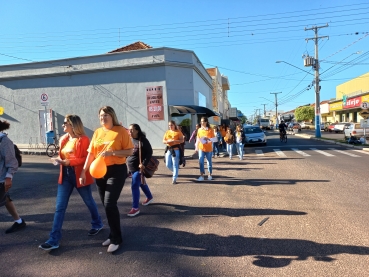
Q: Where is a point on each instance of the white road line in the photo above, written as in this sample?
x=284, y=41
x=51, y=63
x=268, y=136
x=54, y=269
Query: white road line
x=259, y=152
x=344, y=152
x=322, y=152
x=279, y=153
x=362, y=151
x=300, y=152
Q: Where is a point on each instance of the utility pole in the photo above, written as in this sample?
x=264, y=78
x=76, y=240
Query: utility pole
x=317, y=87
x=264, y=110
x=276, y=107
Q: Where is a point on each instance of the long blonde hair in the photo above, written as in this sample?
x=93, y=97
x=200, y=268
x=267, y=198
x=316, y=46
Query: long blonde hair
x=76, y=123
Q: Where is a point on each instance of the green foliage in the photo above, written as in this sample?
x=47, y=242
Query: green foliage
x=185, y=122
x=305, y=113
x=243, y=119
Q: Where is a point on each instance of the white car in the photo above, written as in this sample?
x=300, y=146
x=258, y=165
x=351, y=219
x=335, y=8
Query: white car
x=355, y=129
x=254, y=135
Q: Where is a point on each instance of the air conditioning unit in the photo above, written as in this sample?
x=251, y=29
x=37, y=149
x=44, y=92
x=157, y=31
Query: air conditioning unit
x=309, y=61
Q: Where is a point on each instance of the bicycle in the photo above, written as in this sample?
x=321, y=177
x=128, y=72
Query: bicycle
x=283, y=137
x=53, y=148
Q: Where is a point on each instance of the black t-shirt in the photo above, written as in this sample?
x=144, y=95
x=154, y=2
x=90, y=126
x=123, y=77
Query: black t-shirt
x=146, y=153
x=282, y=127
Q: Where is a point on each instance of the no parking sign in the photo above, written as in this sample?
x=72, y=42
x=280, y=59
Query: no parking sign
x=44, y=99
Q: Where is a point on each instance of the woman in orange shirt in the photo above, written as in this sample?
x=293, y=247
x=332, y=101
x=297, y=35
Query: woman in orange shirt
x=112, y=142
x=72, y=156
x=173, y=138
x=205, y=137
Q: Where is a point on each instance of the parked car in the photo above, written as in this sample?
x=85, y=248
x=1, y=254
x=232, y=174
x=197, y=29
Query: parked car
x=294, y=125
x=254, y=135
x=331, y=127
x=355, y=129
x=340, y=127
x=324, y=126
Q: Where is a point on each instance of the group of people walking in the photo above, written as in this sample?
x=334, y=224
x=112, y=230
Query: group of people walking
x=208, y=142
x=115, y=145
x=118, y=147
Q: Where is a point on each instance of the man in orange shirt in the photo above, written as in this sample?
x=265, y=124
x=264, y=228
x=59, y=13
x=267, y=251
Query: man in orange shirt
x=205, y=147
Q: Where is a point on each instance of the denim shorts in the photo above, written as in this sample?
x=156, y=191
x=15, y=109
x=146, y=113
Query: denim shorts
x=3, y=194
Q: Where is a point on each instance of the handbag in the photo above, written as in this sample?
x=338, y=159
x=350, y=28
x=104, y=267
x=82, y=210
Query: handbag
x=151, y=166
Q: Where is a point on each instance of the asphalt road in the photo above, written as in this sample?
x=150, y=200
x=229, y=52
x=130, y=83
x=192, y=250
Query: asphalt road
x=283, y=212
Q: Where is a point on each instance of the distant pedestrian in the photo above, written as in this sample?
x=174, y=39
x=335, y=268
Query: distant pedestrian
x=111, y=142
x=136, y=163
x=205, y=137
x=72, y=157
x=240, y=141
x=173, y=138
x=8, y=167
x=182, y=160
x=223, y=132
x=229, y=139
x=194, y=135
x=217, y=140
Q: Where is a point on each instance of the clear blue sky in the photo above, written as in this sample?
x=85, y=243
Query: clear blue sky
x=243, y=38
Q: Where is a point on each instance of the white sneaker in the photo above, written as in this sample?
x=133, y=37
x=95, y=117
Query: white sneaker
x=210, y=178
x=201, y=178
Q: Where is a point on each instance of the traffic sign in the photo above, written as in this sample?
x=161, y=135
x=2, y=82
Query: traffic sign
x=44, y=99
x=364, y=114
x=364, y=105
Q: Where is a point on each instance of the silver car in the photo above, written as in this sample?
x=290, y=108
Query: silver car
x=254, y=135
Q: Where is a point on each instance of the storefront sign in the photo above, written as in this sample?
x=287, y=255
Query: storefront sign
x=352, y=103
x=335, y=106
x=154, y=103
x=365, y=98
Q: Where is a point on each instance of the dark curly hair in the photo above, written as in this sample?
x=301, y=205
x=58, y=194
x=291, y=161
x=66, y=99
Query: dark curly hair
x=4, y=125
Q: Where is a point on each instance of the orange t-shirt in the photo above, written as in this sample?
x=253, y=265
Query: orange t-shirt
x=101, y=139
x=223, y=131
x=209, y=133
x=176, y=135
x=69, y=149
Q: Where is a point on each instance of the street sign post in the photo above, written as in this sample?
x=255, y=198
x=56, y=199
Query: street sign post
x=364, y=114
x=44, y=102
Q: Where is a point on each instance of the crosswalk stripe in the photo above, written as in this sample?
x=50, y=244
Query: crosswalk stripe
x=322, y=152
x=279, y=153
x=259, y=152
x=344, y=152
x=300, y=152
x=362, y=151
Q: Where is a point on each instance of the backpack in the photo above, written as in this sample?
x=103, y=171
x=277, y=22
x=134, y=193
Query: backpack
x=18, y=154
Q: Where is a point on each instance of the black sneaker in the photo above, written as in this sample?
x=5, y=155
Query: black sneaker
x=47, y=247
x=16, y=227
x=93, y=232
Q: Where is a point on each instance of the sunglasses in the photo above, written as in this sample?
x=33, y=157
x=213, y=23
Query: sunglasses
x=65, y=123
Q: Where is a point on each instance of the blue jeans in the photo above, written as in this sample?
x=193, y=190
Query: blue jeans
x=230, y=150
x=64, y=191
x=135, y=187
x=216, y=148
x=208, y=156
x=239, y=147
x=172, y=163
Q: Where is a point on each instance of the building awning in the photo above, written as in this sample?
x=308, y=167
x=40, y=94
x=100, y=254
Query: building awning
x=190, y=109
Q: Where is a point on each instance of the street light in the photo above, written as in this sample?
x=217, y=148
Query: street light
x=295, y=67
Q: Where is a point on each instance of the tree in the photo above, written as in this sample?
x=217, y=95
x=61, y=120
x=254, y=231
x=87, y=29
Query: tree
x=243, y=119
x=305, y=113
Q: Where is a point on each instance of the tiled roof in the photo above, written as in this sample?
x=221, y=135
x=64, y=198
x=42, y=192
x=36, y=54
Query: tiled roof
x=131, y=47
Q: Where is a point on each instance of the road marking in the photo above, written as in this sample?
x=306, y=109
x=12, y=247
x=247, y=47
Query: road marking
x=322, y=152
x=344, y=152
x=279, y=153
x=300, y=152
x=259, y=152
x=362, y=151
